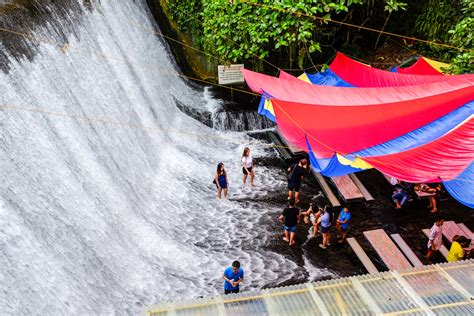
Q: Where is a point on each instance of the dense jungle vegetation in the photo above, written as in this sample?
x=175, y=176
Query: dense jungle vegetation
x=291, y=33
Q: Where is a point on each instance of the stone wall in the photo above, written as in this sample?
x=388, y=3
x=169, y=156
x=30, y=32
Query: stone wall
x=191, y=61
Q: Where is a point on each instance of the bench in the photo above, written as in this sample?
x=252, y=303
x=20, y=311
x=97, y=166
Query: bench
x=407, y=250
x=362, y=189
x=444, y=251
x=466, y=230
x=280, y=146
x=424, y=195
x=387, y=250
x=348, y=190
x=451, y=229
x=295, y=151
x=326, y=189
x=360, y=253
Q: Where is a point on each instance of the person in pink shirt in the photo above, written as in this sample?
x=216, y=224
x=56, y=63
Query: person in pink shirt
x=436, y=237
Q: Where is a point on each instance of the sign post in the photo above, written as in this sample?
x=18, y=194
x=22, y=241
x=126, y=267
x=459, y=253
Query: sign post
x=229, y=75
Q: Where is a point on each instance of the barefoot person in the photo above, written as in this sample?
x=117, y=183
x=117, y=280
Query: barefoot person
x=296, y=174
x=233, y=276
x=325, y=221
x=399, y=197
x=423, y=187
x=291, y=215
x=247, y=166
x=220, y=179
x=314, y=210
x=436, y=237
x=343, y=223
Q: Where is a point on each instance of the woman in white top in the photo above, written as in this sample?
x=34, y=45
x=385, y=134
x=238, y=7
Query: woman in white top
x=247, y=166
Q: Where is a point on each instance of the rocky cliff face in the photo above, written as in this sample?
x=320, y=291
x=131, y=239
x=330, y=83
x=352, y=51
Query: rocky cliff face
x=191, y=61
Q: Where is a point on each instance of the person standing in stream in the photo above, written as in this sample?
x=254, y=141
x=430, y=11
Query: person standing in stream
x=247, y=166
x=220, y=180
x=291, y=215
x=296, y=173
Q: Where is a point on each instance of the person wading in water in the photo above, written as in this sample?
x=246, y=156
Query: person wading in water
x=296, y=174
x=220, y=180
x=247, y=166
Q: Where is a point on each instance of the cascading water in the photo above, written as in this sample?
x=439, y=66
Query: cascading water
x=111, y=208
x=215, y=115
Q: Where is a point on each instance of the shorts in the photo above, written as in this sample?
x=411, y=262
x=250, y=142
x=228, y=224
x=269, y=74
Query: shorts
x=245, y=171
x=294, y=187
x=290, y=229
x=231, y=291
x=344, y=229
x=325, y=230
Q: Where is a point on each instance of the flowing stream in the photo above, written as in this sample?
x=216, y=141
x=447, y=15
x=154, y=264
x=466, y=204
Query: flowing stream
x=106, y=200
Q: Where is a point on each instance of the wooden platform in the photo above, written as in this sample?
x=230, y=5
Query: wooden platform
x=280, y=146
x=450, y=229
x=326, y=189
x=369, y=266
x=348, y=190
x=444, y=251
x=362, y=189
x=406, y=250
x=295, y=151
x=424, y=195
x=466, y=230
x=387, y=250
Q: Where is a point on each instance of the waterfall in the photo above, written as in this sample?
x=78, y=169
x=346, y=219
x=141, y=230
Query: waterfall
x=106, y=199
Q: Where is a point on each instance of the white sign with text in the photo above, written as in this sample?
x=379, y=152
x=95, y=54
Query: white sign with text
x=230, y=74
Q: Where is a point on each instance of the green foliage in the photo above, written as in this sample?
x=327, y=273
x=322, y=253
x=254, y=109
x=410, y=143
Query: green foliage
x=241, y=32
x=462, y=36
x=438, y=17
x=237, y=31
x=394, y=5
x=184, y=13
x=449, y=21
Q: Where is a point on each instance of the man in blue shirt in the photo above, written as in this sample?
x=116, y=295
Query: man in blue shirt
x=233, y=276
x=343, y=223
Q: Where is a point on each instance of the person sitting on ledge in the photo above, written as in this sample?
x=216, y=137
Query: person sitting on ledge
x=399, y=197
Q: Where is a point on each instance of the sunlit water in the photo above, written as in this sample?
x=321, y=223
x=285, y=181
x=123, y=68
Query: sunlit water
x=103, y=217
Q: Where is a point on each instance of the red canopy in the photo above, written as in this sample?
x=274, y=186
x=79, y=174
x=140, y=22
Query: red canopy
x=443, y=159
x=421, y=67
x=296, y=90
x=347, y=129
x=361, y=75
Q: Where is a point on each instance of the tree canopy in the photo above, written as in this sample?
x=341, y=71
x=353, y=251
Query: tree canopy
x=297, y=33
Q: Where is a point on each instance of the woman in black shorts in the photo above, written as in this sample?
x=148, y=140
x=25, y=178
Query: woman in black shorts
x=247, y=166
